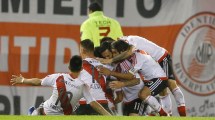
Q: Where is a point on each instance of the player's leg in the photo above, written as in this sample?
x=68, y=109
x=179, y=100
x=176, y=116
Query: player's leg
x=151, y=88
x=179, y=97
x=31, y=110
x=166, y=101
x=172, y=85
x=132, y=108
x=176, y=91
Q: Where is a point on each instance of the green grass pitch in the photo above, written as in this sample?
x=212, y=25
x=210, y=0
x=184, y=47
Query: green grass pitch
x=23, y=117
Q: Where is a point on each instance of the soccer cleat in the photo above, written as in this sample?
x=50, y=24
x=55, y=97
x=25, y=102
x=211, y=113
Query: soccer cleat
x=30, y=110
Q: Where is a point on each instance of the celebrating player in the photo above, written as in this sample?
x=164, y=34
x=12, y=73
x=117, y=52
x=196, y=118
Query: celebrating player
x=67, y=90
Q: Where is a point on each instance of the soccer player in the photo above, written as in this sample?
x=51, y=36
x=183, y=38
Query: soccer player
x=162, y=56
x=68, y=88
x=97, y=82
x=154, y=77
x=124, y=93
x=98, y=25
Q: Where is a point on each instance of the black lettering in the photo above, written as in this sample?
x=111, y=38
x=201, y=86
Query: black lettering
x=148, y=13
x=26, y=5
x=41, y=6
x=5, y=101
x=83, y=7
x=39, y=100
x=59, y=9
x=16, y=103
x=204, y=53
x=15, y=6
x=4, y=5
x=120, y=8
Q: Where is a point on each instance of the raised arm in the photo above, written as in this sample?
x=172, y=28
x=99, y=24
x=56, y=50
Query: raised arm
x=123, y=55
x=119, y=57
x=21, y=80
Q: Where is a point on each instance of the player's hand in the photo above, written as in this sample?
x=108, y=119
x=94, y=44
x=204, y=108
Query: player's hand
x=16, y=79
x=104, y=61
x=104, y=71
x=116, y=84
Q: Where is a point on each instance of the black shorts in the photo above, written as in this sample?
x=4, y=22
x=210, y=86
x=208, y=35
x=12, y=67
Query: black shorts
x=156, y=85
x=166, y=64
x=135, y=106
x=86, y=109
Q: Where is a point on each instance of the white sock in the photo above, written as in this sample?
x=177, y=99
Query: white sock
x=166, y=103
x=179, y=97
x=152, y=102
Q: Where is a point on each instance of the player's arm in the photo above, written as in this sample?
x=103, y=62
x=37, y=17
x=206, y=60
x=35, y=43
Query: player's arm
x=21, y=80
x=93, y=103
x=118, y=29
x=123, y=55
x=119, y=57
x=98, y=108
x=124, y=76
x=127, y=83
x=119, y=97
x=85, y=31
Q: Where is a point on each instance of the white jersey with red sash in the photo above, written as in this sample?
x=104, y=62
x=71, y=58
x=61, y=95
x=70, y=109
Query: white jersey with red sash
x=151, y=48
x=146, y=66
x=67, y=91
x=130, y=93
x=96, y=81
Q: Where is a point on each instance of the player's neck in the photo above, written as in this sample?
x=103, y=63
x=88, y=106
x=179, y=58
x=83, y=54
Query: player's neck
x=90, y=55
x=74, y=75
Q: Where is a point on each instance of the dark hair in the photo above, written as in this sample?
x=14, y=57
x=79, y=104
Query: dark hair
x=97, y=52
x=95, y=6
x=120, y=46
x=88, y=45
x=75, y=64
x=106, y=39
x=105, y=46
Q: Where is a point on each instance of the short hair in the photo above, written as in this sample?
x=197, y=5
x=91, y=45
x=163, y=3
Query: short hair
x=88, y=45
x=97, y=52
x=120, y=45
x=95, y=6
x=106, y=39
x=105, y=46
x=75, y=64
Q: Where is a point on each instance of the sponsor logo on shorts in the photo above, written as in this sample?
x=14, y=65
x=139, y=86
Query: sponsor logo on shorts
x=194, y=54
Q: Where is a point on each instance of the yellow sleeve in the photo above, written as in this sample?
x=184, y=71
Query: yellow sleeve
x=118, y=31
x=85, y=31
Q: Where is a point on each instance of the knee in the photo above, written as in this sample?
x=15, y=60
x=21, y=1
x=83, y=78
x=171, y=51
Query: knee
x=143, y=94
x=172, y=84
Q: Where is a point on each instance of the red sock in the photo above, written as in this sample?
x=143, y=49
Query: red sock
x=162, y=112
x=182, y=111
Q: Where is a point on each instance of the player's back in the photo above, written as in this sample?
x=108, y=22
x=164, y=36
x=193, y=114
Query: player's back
x=146, y=65
x=66, y=92
x=94, y=80
x=99, y=26
x=143, y=44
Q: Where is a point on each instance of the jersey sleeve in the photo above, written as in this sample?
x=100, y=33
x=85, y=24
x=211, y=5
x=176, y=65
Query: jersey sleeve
x=85, y=31
x=49, y=80
x=118, y=31
x=87, y=94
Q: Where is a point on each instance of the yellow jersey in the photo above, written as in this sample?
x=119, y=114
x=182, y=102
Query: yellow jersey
x=98, y=26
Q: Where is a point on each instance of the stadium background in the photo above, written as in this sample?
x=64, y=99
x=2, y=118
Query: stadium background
x=37, y=37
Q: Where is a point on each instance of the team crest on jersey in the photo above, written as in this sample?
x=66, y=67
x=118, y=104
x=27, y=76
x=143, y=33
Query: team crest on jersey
x=194, y=54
